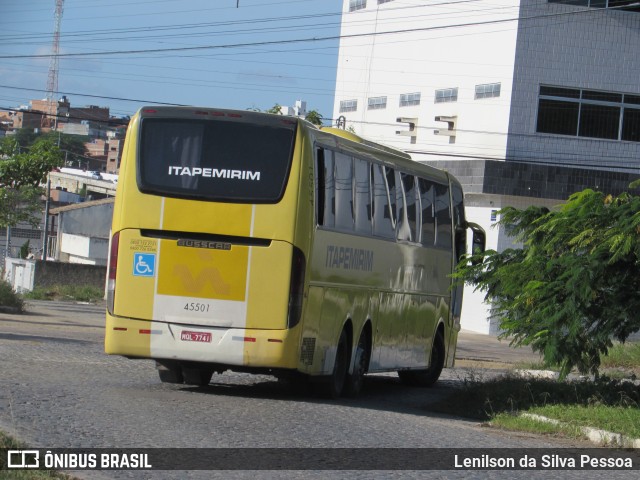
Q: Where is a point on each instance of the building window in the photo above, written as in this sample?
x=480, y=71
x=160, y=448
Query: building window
x=447, y=95
x=357, y=5
x=348, y=106
x=588, y=113
x=28, y=233
x=384, y=1
x=487, y=90
x=408, y=99
x=377, y=103
x=621, y=4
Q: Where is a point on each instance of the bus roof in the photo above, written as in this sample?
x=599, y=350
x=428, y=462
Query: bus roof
x=338, y=138
x=355, y=138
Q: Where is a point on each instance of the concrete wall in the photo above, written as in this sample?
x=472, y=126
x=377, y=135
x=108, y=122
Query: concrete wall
x=25, y=275
x=92, y=221
x=20, y=274
x=83, y=233
x=59, y=273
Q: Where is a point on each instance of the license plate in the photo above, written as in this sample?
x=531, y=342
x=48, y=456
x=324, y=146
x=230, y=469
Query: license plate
x=187, y=336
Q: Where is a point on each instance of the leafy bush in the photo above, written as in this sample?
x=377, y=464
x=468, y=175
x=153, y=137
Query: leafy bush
x=575, y=286
x=9, y=298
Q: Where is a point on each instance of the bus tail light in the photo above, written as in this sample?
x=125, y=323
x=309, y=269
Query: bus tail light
x=111, y=278
x=296, y=287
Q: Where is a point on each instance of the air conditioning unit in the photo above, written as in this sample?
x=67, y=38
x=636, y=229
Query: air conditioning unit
x=413, y=128
x=451, y=127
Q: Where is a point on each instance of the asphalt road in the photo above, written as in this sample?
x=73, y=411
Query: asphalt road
x=66, y=320
x=59, y=390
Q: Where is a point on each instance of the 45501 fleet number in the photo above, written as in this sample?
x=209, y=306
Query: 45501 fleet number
x=197, y=307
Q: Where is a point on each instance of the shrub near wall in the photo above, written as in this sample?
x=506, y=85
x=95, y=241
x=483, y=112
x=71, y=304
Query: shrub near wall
x=49, y=274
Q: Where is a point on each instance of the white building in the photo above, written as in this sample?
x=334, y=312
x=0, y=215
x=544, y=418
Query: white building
x=524, y=101
x=298, y=110
x=83, y=232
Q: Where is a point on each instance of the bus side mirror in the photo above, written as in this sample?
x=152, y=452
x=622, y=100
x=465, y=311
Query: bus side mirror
x=479, y=242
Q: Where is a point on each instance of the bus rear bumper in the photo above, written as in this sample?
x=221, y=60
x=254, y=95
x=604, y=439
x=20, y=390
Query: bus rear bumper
x=225, y=346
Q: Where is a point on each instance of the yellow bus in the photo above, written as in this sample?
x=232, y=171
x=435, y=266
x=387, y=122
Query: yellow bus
x=254, y=242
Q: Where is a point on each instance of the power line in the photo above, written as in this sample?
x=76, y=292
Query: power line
x=155, y=13
x=298, y=40
x=181, y=27
x=559, y=156
x=97, y=96
x=110, y=33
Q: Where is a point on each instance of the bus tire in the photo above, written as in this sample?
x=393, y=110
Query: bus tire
x=197, y=376
x=334, y=385
x=169, y=373
x=355, y=380
x=428, y=376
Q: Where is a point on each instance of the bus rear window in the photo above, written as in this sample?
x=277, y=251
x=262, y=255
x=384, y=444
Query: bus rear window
x=222, y=160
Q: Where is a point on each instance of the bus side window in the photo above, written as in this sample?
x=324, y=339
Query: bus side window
x=320, y=193
x=443, y=217
x=344, y=192
x=407, y=213
x=362, y=172
x=390, y=176
x=459, y=223
x=428, y=212
x=326, y=193
x=382, y=222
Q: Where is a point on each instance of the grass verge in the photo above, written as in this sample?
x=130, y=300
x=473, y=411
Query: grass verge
x=612, y=418
x=7, y=441
x=611, y=405
x=626, y=356
x=78, y=293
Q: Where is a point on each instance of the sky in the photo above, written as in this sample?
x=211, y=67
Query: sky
x=124, y=54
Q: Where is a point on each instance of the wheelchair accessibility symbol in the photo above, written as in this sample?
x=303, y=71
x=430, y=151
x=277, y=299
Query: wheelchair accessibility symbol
x=144, y=264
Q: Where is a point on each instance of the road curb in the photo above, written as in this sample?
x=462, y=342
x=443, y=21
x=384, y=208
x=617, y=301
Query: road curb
x=595, y=435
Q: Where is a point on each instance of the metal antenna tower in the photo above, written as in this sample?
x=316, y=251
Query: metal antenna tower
x=52, y=80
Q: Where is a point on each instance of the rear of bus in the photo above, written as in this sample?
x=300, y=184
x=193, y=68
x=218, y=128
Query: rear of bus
x=203, y=272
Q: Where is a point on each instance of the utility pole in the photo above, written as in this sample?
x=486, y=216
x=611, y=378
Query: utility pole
x=45, y=241
x=7, y=251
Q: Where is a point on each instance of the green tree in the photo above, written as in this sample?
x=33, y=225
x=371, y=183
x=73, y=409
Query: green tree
x=25, y=137
x=314, y=117
x=73, y=144
x=24, y=250
x=574, y=287
x=276, y=109
x=22, y=171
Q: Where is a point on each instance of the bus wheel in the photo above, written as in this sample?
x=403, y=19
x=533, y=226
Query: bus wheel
x=333, y=387
x=429, y=376
x=196, y=376
x=355, y=381
x=169, y=373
